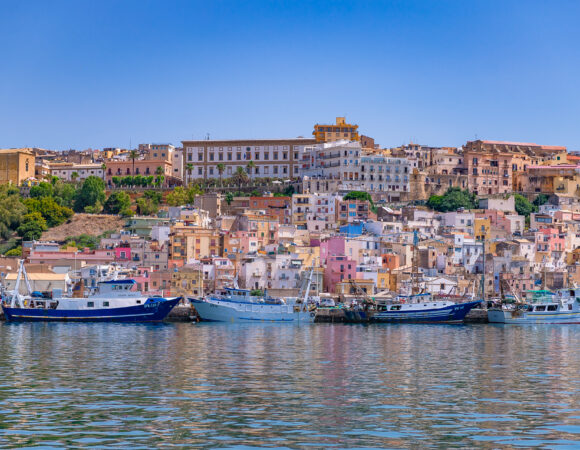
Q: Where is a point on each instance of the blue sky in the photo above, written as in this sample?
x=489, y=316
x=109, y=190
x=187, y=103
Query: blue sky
x=83, y=74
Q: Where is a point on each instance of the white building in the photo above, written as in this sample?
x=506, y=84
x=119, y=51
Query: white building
x=65, y=171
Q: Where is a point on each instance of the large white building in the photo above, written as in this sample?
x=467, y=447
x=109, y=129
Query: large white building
x=271, y=158
x=65, y=171
x=346, y=161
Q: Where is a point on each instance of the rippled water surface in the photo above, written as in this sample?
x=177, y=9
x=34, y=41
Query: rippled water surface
x=289, y=386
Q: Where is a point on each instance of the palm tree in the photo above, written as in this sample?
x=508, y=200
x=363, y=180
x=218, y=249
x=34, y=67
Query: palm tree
x=74, y=176
x=159, y=172
x=240, y=177
x=250, y=166
x=103, y=168
x=189, y=168
x=133, y=155
x=221, y=167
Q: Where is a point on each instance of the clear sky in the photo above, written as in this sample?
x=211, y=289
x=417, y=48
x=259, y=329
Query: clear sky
x=80, y=74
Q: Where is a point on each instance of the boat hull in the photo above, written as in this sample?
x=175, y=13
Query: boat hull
x=229, y=311
x=454, y=313
x=497, y=315
x=149, y=312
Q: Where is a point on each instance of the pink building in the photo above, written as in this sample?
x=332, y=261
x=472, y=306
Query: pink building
x=550, y=240
x=334, y=246
x=338, y=268
x=122, y=254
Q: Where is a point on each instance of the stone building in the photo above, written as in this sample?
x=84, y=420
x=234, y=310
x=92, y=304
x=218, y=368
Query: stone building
x=16, y=165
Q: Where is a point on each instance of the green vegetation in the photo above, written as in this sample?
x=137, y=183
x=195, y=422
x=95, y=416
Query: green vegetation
x=49, y=209
x=91, y=196
x=452, y=200
x=523, y=206
x=16, y=251
x=229, y=198
x=180, y=196
x=361, y=195
x=118, y=203
x=540, y=200
x=32, y=226
x=42, y=190
x=256, y=293
x=83, y=241
x=240, y=177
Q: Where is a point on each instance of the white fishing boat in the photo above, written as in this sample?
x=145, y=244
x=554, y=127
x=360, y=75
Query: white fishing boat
x=238, y=305
x=544, y=307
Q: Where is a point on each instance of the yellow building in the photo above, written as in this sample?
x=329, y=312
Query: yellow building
x=330, y=133
x=188, y=280
x=16, y=165
x=187, y=242
x=481, y=228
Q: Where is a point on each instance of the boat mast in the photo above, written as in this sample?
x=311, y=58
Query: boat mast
x=415, y=264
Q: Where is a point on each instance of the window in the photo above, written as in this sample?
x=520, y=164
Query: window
x=238, y=156
x=90, y=304
x=540, y=308
x=552, y=307
x=105, y=304
x=229, y=156
x=199, y=171
x=200, y=157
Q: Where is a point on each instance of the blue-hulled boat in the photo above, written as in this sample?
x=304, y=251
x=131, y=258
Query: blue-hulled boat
x=420, y=308
x=113, y=301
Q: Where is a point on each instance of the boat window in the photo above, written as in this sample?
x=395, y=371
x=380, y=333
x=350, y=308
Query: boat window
x=105, y=304
x=90, y=304
x=569, y=307
x=138, y=302
x=540, y=308
x=395, y=307
x=552, y=307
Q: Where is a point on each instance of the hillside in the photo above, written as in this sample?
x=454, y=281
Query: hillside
x=91, y=224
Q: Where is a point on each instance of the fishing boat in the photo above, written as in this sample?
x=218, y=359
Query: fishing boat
x=238, y=305
x=542, y=307
x=111, y=301
x=418, y=308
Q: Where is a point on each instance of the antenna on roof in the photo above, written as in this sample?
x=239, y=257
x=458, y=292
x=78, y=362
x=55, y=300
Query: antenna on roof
x=207, y=136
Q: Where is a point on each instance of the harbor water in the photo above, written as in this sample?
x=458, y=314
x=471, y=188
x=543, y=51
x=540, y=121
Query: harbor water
x=324, y=385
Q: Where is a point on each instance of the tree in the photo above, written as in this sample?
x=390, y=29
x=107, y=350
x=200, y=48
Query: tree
x=74, y=176
x=221, y=167
x=250, y=167
x=117, y=203
x=540, y=200
x=229, y=198
x=12, y=210
x=117, y=181
x=177, y=197
x=43, y=189
x=160, y=177
x=240, y=177
x=452, y=200
x=32, y=226
x=146, y=206
x=49, y=209
x=83, y=241
x=104, y=169
x=133, y=155
x=91, y=194
x=156, y=197
x=189, y=169
x=64, y=194
x=523, y=205
x=16, y=251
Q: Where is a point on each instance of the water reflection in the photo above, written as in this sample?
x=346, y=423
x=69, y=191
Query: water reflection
x=270, y=385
